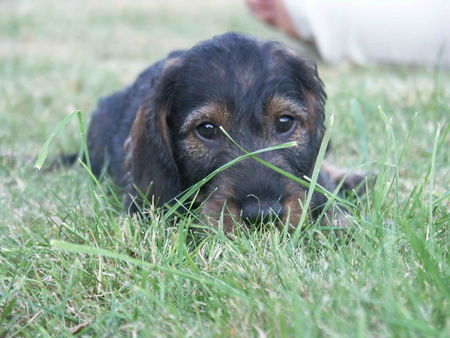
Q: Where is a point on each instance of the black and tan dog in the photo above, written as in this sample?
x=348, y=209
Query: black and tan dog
x=161, y=135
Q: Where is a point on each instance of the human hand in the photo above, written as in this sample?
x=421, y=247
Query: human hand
x=274, y=13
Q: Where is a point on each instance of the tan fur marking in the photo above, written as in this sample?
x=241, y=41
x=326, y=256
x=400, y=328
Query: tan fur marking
x=220, y=206
x=163, y=128
x=219, y=213
x=293, y=209
x=214, y=113
x=138, y=128
x=280, y=105
x=195, y=148
x=312, y=104
x=127, y=150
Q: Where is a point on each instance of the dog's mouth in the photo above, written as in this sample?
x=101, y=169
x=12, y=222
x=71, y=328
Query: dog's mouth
x=252, y=211
x=234, y=200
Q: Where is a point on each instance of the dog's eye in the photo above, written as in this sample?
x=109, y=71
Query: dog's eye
x=207, y=130
x=284, y=124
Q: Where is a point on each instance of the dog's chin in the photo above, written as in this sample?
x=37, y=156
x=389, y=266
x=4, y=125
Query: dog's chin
x=293, y=209
x=226, y=214
x=221, y=213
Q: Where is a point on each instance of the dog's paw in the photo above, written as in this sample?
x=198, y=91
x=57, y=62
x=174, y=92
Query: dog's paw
x=356, y=181
x=336, y=218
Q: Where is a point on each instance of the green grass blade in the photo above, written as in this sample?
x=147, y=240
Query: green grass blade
x=315, y=176
x=193, y=189
x=84, y=249
x=357, y=115
x=432, y=180
x=427, y=262
x=43, y=154
x=306, y=183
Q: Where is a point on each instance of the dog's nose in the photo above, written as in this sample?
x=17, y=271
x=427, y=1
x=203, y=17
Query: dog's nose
x=255, y=212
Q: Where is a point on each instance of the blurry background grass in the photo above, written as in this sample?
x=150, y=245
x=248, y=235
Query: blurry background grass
x=391, y=279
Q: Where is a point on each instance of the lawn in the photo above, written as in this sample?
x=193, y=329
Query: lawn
x=71, y=262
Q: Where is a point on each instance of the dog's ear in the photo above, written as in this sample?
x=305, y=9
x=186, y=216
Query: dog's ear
x=150, y=160
x=313, y=93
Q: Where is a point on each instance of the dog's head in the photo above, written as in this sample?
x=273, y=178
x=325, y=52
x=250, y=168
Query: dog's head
x=262, y=94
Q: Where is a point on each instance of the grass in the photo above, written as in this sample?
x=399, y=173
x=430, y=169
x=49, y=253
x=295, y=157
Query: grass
x=71, y=262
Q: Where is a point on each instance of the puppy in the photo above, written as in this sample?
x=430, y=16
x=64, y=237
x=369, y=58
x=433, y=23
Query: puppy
x=161, y=135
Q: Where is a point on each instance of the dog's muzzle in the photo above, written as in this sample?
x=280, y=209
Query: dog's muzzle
x=256, y=211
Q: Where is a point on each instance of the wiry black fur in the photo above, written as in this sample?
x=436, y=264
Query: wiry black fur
x=239, y=72
x=112, y=121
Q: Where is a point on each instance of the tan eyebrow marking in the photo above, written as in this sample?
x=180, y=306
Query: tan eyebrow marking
x=213, y=112
x=279, y=104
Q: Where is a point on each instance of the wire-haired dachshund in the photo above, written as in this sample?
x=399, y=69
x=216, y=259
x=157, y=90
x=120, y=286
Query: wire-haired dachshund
x=161, y=135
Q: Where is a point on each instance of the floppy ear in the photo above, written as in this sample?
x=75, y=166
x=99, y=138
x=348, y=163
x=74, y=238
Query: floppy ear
x=313, y=92
x=150, y=161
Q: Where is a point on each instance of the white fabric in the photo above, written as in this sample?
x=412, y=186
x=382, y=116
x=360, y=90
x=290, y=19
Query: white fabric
x=376, y=31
